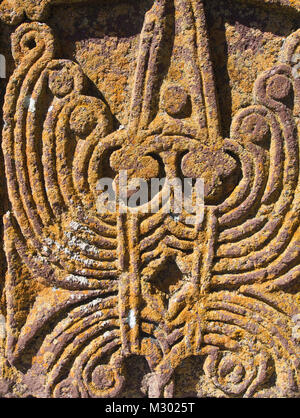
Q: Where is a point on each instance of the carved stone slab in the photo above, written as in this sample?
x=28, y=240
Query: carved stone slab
x=145, y=304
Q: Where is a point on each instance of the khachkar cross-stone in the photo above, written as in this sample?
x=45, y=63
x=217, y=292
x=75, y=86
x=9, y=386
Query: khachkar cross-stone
x=85, y=292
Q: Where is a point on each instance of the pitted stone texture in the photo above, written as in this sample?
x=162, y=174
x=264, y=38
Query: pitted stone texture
x=147, y=305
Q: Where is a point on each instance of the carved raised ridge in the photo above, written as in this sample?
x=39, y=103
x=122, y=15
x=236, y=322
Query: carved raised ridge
x=86, y=293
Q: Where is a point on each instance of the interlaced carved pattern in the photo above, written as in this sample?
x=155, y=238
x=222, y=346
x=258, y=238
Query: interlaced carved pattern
x=102, y=289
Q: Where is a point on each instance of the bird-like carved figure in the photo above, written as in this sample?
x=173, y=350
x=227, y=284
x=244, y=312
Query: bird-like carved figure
x=105, y=287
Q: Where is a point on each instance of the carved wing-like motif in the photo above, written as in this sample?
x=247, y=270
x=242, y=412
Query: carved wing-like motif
x=87, y=291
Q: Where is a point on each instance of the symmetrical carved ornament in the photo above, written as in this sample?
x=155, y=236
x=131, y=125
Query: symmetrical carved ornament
x=85, y=292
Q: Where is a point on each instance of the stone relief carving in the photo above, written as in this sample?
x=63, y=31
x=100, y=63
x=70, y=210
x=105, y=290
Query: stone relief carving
x=84, y=293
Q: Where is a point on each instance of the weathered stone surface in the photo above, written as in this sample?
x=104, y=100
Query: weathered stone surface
x=131, y=305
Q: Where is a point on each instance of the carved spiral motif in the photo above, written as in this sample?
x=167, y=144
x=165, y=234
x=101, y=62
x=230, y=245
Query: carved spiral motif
x=235, y=375
x=247, y=348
